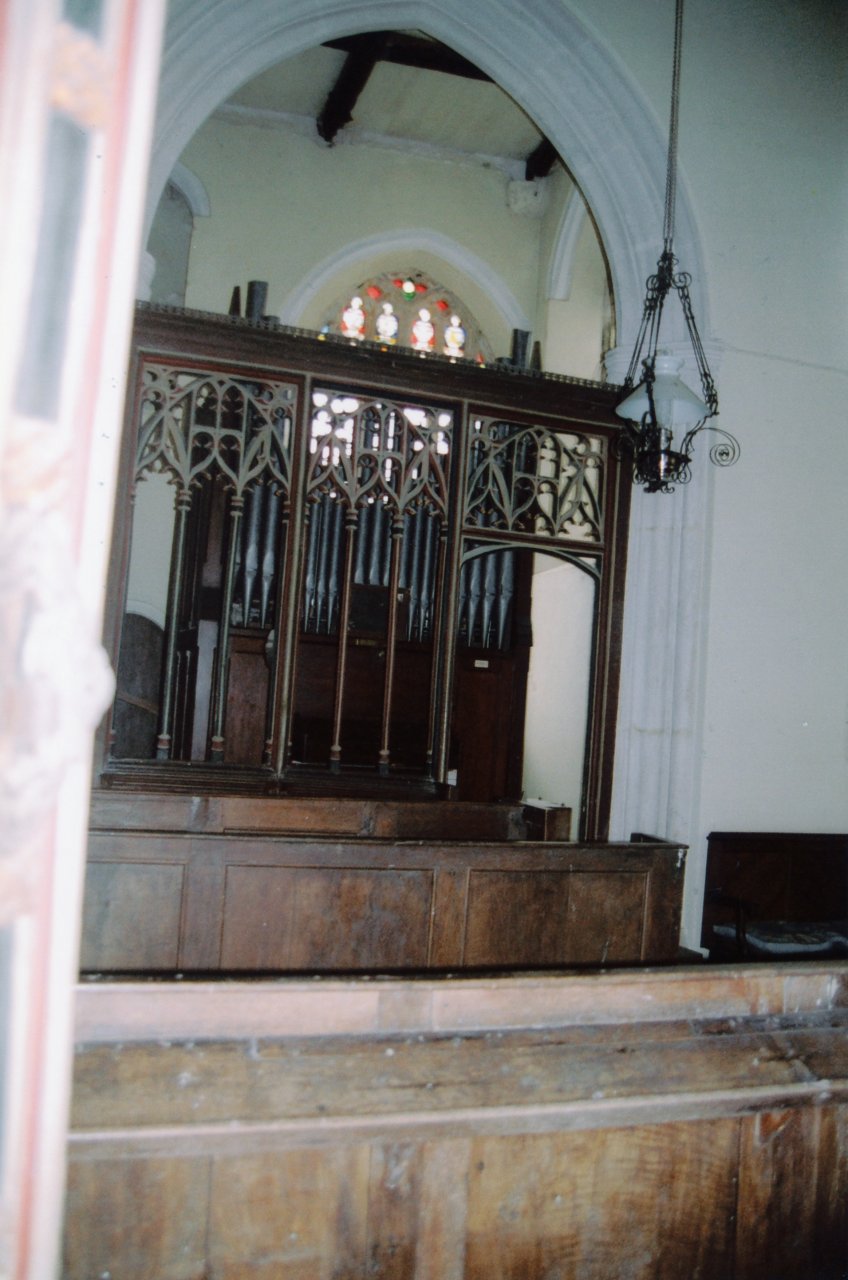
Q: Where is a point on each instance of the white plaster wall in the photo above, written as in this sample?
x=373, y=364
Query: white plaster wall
x=574, y=329
x=763, y=156
x=562, y=613
x=282, y=203
x=170, y=244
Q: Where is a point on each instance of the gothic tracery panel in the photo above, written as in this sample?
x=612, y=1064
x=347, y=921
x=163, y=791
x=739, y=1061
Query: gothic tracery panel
x=381, y=469
x=345, y=557
x=192, y=423
x=532, y=480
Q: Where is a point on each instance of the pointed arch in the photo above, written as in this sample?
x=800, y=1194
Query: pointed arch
x=579, y=96
x=407, y=241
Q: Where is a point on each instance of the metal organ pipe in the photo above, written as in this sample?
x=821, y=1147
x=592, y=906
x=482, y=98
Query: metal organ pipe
x=269, y=552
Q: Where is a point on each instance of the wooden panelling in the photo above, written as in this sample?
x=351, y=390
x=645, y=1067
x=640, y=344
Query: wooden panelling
x=297, y=903
x=781, y=875
x=791, y=1163
x=624, y=1202
x=698, y=1146
x=315, y=918
x=324, y=815
x=131, y=916
x=129, y=1012
x=247, y=697
x=145, y=1218
x=264, y=1220
x=605, y=918
x=522, y=914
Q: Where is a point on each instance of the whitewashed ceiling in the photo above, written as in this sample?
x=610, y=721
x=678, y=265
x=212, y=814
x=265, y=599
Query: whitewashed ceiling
x=434, y=108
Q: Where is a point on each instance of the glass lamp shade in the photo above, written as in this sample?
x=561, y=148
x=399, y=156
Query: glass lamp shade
x=675, y=404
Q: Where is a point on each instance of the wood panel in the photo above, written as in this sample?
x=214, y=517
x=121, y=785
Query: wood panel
x=324, y=815
x=144, y=1218
x=694, y=1146
x=647, y=1202
x=264, y=1221
x=247, y=698
x=314, y=918
x=131, y=916
x=606, y=916
x=523, y=914
x=488, y=722
x=129, y=1012
x=237, y=902
x=791, y=1166
x=781, y=875
x=622, y=1202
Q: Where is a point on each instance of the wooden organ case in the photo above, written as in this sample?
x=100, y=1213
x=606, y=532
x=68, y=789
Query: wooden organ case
x=323, y=571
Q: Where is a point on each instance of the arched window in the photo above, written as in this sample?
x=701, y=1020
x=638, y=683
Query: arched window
x=409, y=310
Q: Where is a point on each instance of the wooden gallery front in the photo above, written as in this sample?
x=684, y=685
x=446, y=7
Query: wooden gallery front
x=352, y=1005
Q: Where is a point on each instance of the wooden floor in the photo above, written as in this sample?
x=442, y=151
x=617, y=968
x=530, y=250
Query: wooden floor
x=650, y=1124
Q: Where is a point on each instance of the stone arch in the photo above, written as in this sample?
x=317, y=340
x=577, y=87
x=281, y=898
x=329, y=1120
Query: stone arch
x=575, y=90
x=551, y=66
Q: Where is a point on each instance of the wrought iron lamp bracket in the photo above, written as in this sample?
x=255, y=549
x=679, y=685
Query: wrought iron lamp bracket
x=658, y=466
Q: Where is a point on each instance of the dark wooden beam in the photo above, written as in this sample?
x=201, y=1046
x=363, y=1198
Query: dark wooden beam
x=363, y=53
x=408, y=50
x=541, y=160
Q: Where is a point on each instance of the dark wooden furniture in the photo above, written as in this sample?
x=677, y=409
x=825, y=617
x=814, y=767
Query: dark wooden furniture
x=757, y=881
x=246, y=884
x=653, y=1125
x=352, y=548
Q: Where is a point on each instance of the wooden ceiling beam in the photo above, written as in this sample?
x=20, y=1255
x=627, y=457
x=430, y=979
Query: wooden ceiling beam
x=540, y=160
x=408, y=50
x=363, y=54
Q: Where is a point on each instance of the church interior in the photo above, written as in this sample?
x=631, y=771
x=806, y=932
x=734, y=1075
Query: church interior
x=426, y=836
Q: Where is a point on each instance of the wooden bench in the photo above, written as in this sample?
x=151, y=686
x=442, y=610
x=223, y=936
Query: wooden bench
x=233, y=884
x=775, y=895
x=649, y=1124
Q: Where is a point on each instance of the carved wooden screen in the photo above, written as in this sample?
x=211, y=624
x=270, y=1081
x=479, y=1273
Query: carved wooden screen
x=349, y=563
x=376, y=510
x=223, y=441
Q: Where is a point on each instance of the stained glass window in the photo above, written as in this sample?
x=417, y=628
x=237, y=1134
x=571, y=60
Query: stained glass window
x=409, y=310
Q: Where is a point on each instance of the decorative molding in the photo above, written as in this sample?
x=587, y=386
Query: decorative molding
x=192, y=189
x=352, y=135
x=562, y=259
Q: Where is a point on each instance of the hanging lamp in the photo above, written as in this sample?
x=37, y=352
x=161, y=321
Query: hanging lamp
x=662, y=405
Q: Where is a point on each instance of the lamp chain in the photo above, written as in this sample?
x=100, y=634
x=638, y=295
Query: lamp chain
x=671, y=167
